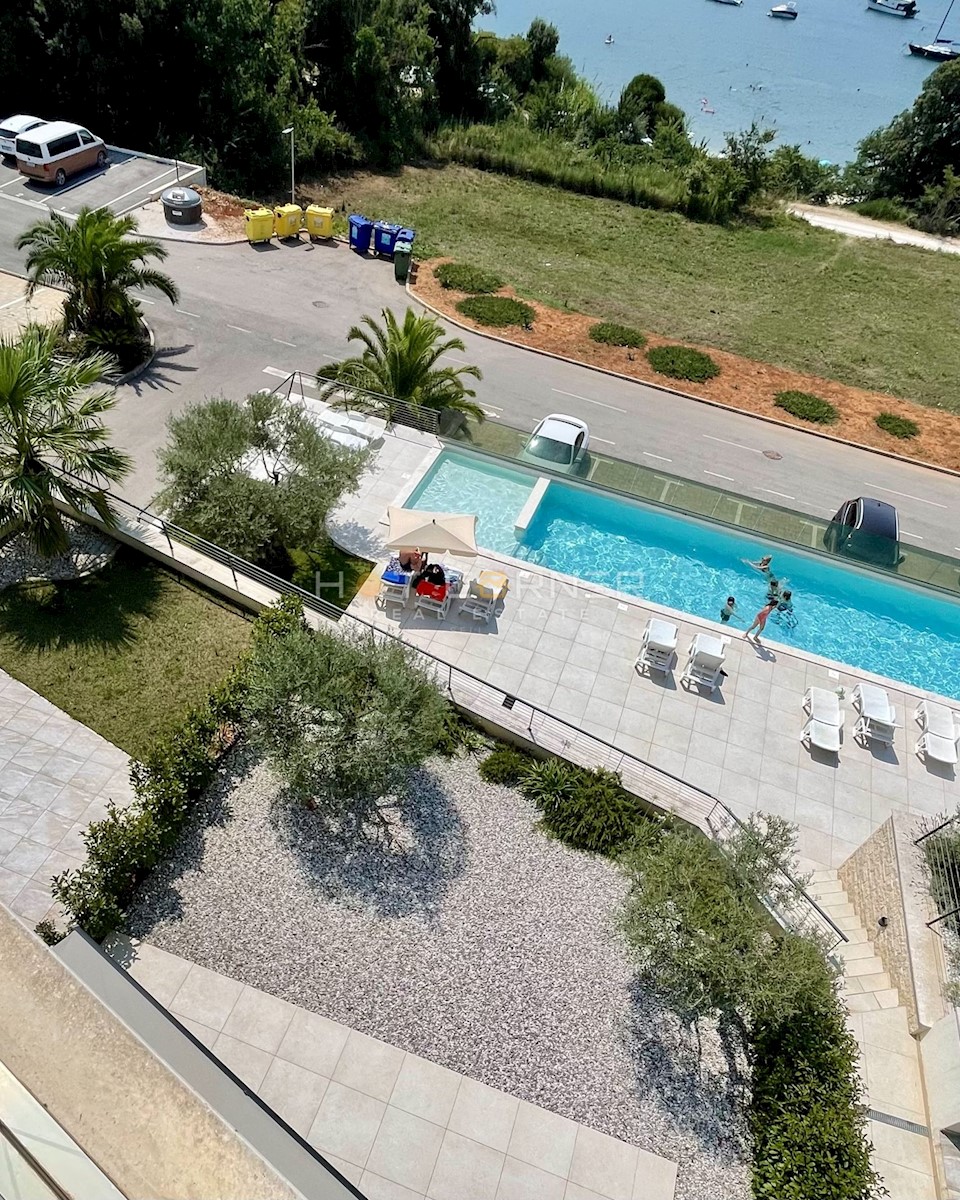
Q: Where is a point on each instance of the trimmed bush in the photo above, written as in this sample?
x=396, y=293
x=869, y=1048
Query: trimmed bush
x=129, y=842
x=807, y=407
x=464, y=278
x=588, y=810
x=681, y=362
x=612, y=334
x=900, y=427
x=806, y=1114
x=505, y=765
x=496, y=310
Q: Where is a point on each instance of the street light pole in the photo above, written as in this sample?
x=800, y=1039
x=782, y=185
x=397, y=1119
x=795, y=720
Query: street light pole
x=293, y=185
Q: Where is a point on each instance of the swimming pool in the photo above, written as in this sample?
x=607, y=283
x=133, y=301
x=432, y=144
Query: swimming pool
x=855, y=617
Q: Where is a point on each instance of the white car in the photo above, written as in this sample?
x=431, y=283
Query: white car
x=558, y=442
x=12, y=128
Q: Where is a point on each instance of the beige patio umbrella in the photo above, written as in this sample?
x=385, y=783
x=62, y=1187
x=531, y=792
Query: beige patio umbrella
x=455, y=533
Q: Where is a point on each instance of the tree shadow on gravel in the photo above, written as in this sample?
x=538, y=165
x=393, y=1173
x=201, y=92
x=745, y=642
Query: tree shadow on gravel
x=157, y=899
x=404, y=871
x=697, y=1073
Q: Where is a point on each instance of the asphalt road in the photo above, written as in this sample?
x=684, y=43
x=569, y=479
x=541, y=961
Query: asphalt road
x=249, y=315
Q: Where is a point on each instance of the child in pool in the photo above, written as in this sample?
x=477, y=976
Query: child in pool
x=728, y=609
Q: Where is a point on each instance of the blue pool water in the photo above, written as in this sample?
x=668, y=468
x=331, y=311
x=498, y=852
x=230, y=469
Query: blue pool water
x=853, y=616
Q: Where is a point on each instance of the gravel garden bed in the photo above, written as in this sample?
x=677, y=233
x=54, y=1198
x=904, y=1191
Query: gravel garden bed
x=89, y=552
x=473, y=940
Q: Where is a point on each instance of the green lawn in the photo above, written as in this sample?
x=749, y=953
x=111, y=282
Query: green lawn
x=126, y=652
x=865, y=313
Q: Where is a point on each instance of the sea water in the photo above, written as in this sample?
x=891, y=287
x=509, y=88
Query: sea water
x=824, y=81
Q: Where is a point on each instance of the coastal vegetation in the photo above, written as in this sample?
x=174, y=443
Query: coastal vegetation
x=775, y=291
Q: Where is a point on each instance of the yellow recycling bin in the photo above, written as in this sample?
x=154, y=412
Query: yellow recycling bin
x=287, y=220
x=258, y=223
x=319, y=221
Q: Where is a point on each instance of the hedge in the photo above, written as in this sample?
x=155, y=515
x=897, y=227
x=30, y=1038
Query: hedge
x=463, y=277
x=129, y=842
x=496, y=310
x=611, y=334
x=807, y=1116
x=900, y=427
x=681, y=362
x=807, y=407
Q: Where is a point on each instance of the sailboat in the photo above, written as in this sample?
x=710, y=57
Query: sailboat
x=941, y=49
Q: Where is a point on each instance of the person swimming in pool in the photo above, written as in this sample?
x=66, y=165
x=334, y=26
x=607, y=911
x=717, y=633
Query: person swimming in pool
x=763, y=566
x=773, y=589
x=728, y=609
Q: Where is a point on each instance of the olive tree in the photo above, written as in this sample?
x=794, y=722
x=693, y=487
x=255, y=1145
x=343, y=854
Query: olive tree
x=342, y=718
x=701, y=934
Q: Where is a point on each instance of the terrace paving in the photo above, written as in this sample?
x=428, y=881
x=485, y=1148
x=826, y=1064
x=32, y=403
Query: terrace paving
x=396, y=1125
x=569, y=648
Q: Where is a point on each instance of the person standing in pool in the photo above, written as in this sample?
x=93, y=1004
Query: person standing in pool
x=760, y=620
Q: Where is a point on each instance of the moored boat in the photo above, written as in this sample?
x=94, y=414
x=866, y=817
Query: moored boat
x=786, y=12
x=737, y=2
x=942, y=50
x=895, y=8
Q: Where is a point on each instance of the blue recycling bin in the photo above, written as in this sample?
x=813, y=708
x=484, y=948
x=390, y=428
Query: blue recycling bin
x=384, y=238
x=406, y=235
x=360, y=230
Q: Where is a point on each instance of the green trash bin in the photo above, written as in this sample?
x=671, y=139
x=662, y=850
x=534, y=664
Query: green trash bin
x=401, y=261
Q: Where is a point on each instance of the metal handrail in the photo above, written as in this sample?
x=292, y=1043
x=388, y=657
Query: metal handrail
x=544, y=729
x=413, y=415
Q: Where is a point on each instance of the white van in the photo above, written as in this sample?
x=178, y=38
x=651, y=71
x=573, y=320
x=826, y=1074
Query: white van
x=11, y=128
x=53, y=152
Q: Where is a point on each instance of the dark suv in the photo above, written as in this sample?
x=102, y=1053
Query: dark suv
x=866, y=529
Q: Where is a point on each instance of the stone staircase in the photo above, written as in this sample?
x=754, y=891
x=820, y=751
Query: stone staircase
x=889, y=1058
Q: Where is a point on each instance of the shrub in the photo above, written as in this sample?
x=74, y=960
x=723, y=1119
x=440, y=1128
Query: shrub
x=681, y=362
x=460, y=735
x=464, y=278
x=900, y=427
x=496, y=310
x=882, y=209
x=807, y=1111
x=505, y=765
x=588, y=810
x=129, y=842
x=807, y=407
x=612, y=334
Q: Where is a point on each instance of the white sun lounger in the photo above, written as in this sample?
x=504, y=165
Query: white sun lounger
x=940, y=732
x=878, y=718
x=705, y=661
x=822, y=705
x=658, y=646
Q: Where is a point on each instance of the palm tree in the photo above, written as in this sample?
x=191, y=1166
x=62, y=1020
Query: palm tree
x=99, y=264
x=400, y=363
x=52, y=440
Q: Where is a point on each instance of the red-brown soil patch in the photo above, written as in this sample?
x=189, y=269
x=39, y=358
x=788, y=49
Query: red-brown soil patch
x=742, y=383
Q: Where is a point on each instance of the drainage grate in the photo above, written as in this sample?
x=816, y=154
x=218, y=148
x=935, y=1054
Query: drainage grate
x=898, y=1122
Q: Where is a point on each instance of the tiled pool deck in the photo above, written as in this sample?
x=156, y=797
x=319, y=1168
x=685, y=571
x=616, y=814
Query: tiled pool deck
x=395, y=1124
x=570, y=648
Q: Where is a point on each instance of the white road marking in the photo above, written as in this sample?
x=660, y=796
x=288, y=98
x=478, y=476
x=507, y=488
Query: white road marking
x=498, y=407
x=594, y=438
x=139, y=188
x=739, y=445
x=905, y=533
x=587, y=400
x=239, y=329
x=188, y=314
x=10, y=182
x=281, y=342
x=771, y=492
x=905, y=495
x=275, y=371
x=11, y=303
x=144, y=300
x=647, y=454
x=728, y=478
x=493, y=416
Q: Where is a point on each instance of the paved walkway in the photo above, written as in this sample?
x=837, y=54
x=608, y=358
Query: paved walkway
x=56, y=776
x=44, y=308
x=570, y=648
x=398, y=1126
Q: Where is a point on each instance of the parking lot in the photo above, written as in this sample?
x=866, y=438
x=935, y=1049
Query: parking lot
x=127, y=181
